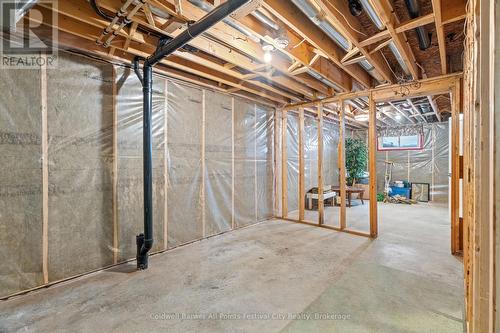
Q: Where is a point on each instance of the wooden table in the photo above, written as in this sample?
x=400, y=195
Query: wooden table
x=349, y=190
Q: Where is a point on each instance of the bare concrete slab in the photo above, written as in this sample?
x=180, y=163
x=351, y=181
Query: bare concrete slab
x=271, y=277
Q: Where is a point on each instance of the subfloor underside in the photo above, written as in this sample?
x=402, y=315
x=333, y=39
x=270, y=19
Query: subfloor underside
x=272, y=277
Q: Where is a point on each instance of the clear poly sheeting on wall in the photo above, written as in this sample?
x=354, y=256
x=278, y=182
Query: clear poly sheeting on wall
x=80, y=154
x=310, y=164
x=218, y=165
x=331, y=139
x=94, y=202
x=20, y=180
x=428, y=165
x=264, y=138
x=292, y=161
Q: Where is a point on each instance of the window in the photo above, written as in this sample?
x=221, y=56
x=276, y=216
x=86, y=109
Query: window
x=403, y=142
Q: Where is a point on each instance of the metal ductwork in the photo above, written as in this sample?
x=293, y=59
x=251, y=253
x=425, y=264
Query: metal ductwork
x=372, y=14
x=380, y=26
x=264, y=19
x=316, y=16
x=371, y=70
x=424, y=38
x=206, y=7
x=399, y=57
x=144, y=241
x=320, y=77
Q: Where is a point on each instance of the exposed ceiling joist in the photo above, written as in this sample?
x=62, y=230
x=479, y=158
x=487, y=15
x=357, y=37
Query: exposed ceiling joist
x=71, y=25
x=290, y=15
x=337, y=11
x=391, y=21
x=436, y=6
x=242, y=43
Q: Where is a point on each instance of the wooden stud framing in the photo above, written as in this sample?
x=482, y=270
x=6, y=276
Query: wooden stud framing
x=45, y=169
x=233, y=224
x=321, y=205
x=341, y=161
x=330, y=227
x=284, y=166
x=276, y=163
x=336, y=12
x=455, y=167
x=255, y=163
x=432, y=86
x=301, y=165
x=372, y=167
x=203, y=164
x=165, y=173
x=436, y=6
x=115, y=168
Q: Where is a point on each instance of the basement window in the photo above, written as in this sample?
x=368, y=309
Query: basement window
x=402, y=142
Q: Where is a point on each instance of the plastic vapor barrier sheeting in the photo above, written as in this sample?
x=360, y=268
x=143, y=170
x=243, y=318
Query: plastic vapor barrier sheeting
x=213, y=167
x=292, y=155
x=427, y=165
x=20, y=180
x=331, y=138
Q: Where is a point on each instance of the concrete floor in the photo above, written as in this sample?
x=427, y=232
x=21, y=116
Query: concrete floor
x=269, y=278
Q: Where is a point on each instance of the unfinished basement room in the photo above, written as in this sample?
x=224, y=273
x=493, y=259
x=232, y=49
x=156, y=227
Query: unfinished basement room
x=249, y=166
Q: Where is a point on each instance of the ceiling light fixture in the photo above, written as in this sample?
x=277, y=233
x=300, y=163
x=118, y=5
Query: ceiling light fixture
x=268, y=57
x=398, y=117
x=268, y=48
x=281, y=42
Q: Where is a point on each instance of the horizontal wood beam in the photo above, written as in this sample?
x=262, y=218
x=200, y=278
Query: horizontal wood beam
x=421, y=88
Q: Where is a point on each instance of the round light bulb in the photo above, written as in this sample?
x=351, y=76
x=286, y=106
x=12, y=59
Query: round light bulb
x=398, y=117
x=268, y=57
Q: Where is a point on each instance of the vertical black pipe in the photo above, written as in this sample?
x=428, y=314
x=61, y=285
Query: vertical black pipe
x=165, y=47
x=145, y=240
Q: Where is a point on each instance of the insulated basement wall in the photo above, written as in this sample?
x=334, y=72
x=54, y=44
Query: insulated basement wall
x=428, y=165
x=329, y=158
x=71, y=155
x=20, y=180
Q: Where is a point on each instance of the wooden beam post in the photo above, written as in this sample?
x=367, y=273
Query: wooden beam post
x=372, y=144
x=284, y=166
x=436, y=6
x=255, y=164
x=276, y=191
x=203, y=165
x=165, y=173
x=455, y=168
x=321, y=206
x=45, y=169
x=341, y=161
x=233, y=225
x=301, y=166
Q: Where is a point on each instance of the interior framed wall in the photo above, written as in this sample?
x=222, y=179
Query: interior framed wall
x=448, y=84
